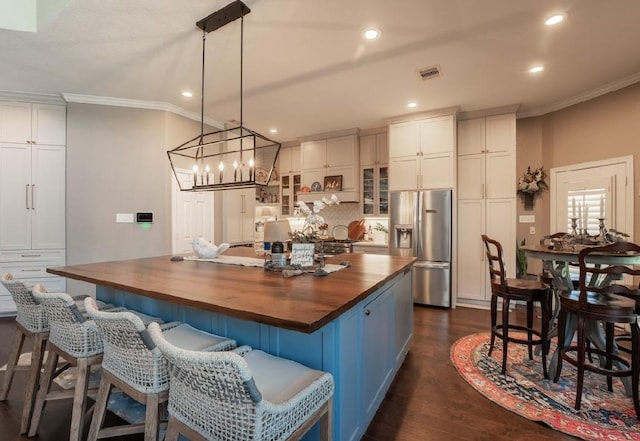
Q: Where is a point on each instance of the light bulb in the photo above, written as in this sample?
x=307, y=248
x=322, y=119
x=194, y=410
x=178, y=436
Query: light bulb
x=221, y=166
x=207, y=168
x=195, y=168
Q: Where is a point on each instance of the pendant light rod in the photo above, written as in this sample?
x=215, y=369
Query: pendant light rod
x=204, y=39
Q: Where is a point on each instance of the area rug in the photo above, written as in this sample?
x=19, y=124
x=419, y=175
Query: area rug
x=523, y=390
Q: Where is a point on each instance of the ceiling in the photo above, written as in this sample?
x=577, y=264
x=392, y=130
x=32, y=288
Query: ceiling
x=307, y=69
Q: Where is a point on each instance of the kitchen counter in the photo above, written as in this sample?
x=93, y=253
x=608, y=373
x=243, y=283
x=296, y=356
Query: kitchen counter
x=356, y=323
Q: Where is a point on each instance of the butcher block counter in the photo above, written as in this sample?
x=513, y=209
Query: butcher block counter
x=356, y=323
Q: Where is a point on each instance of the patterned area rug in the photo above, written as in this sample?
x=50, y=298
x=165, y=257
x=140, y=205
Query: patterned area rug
x=523, y=390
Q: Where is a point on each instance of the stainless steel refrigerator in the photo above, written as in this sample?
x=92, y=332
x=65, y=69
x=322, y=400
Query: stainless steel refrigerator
x=420, y=226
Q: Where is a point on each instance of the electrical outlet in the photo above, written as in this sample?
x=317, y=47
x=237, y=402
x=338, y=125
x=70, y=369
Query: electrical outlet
x=532, y=230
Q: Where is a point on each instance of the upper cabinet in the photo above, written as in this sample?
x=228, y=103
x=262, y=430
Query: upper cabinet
x=289, y=160
x=374, y=149
x=335, y=156
x=374, y=174
x=487, y=135
x=422, y=153
x=27, y=123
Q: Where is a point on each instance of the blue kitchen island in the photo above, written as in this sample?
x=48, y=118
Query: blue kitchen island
x=356, y=323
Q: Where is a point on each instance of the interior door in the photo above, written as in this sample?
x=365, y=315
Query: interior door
x=193, y=214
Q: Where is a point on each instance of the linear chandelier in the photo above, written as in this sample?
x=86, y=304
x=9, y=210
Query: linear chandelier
x=230, y=158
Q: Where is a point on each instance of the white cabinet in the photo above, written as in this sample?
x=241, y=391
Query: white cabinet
x=337, y=156
x=374, y=175
x=28, y=123
x=486, y=200
x=238, y=208
x=290, y=179
x=32, y=192
x=422, y=153
x=289, y=160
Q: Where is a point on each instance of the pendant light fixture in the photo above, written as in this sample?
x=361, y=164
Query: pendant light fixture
x=230, y=158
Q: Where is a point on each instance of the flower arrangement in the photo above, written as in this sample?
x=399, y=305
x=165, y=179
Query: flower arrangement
x=314, y=222
x=532, y=181
x=379, y=227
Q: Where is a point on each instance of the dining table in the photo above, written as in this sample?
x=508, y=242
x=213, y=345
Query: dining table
x=557, y=260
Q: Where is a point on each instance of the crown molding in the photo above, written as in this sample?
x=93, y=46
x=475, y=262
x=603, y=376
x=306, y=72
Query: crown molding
x=488, y=112
x=327, y=135
x=40, y=98
x=586, y=96
x=421, y=115
x=139, y=104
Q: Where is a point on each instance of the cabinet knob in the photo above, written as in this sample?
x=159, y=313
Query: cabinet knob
x=367, y=312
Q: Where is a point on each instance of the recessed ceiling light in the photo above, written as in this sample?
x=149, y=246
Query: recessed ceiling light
x=371, y=34
x=187, y=94
x=536, y=69
x=555, y=19
x=273, y=130
x=412, y=104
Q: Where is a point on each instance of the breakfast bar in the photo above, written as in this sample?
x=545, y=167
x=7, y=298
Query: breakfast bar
x=356, y=323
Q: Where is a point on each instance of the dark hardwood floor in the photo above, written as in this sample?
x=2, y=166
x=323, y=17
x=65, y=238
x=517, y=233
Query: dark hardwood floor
x=427, y=401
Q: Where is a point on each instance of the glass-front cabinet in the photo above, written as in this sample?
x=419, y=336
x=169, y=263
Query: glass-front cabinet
x=375, y=190
x=290, y=189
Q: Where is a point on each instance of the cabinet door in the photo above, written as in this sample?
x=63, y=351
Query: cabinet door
x=284, y=162
x=501, y=226
x=437, y=135
x=471, y=176
x=368, y=190
x=404, y=139
x=403, y=173
x=471, y=137
x=368, y=150
x=383, y=190
x=15, y=196
x=248, y=214
x=501, y=133
x=342, y=152
x=403, y=308
x=48, y=193
x=15, y=122
x=437, y=171
x=295, y=159
x=238, y=209
x=377, y=347
x=472, y=265
x=49, y=124
x=500, y=175
x=314, y=154
x=383, y=148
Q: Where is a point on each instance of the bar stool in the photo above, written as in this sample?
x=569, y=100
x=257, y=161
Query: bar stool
x=224, y=395
x=133, y=364
x=31, y=323
x=528, y=291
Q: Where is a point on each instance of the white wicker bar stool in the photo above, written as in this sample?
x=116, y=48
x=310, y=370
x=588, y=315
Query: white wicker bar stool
x=256, y=396
x=134, y=365
x=77, y=341
x=31, y=322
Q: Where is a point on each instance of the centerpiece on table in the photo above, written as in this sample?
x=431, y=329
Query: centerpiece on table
x=530, y=183
x=304, y=241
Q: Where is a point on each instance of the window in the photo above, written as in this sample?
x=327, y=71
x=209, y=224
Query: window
x=586, y=207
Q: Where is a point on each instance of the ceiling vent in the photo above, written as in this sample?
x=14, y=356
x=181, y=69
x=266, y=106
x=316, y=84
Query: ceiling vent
x=430, y=72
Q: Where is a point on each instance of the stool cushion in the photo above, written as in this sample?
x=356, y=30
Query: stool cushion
x=279, y=379
x=189, y=338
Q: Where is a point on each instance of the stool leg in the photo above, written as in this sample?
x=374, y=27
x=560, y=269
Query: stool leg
x=37, y=354
x=529, y=328
x=172, y=430
x=544, y=332
x=100, y=408
x=635, y=365
x=79, y=400
x=45, y=385
x=16, y=349
x=326, y=423
x=582, y=343
x=494, y=313
x=562, y=320
x=151, y=418
x=505, y=332
x=609, y=347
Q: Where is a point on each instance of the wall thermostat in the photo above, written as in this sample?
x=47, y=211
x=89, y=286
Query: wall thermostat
x=144, y=218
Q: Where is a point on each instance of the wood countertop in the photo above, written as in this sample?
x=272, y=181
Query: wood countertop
x=303, y=303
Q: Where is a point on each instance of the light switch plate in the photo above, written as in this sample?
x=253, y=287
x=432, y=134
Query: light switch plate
x=532, y=230
x=527, y=219
x=124, y=218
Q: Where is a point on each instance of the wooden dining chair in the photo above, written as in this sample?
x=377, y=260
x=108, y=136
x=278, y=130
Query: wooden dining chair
x=512, y=290
x=601, y=298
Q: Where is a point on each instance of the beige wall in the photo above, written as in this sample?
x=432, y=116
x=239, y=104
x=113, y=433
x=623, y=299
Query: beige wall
x=602, y=128
x=117, y=163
